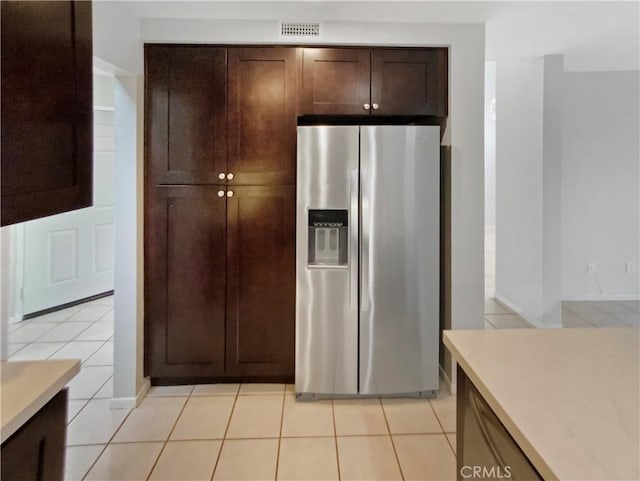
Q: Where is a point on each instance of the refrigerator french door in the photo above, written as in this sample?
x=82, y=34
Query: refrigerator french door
x=367, y=268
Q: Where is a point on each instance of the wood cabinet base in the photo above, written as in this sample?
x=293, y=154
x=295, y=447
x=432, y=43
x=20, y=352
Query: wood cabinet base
x=36, y=451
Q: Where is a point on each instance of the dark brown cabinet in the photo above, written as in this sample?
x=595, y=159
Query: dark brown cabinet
x=35, y=452
x=185, y=284
x=220, y=279
x=335, y=81
x=409, y=82
x=261, y=281
x=262, y=115
x=219, y=258
x=186, y=113
x=47, y=107
x=362, y=81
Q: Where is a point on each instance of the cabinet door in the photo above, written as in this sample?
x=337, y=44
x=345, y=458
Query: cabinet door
x=409, y=82
x=262, y=115
x=261, y=282
x=47, y=151
x=186, y=114
x=335, y=81
x=185, y=281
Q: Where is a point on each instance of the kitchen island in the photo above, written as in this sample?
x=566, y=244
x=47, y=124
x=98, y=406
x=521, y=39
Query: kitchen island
x=548, y=403
x=33, y=413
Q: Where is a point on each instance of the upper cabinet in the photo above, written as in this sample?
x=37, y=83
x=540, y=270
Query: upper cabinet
x=262, y=115
x=47, y=108
x=352, y=81
x=335, y=81
x=409, y=82
x=186, y=114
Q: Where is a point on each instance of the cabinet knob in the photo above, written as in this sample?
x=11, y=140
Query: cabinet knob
x=230, y=193
x=365, y=106
x=221, y=193
x=375, y=106
x=229, y=176
x=221, y=176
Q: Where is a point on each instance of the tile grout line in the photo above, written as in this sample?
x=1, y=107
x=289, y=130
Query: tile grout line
x=275, y=477
x=108, y=443
x=446, y=436
x=442, y=426
x=226, y=430
x=164, y=445
x=393, y=444
x=94, y=353
x=335, y=437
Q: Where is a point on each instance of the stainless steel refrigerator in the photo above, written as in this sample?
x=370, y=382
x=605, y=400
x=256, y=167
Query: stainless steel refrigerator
x=367, y=273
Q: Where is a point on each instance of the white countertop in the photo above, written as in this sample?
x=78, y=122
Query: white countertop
x=25, y=387
x=569, y=397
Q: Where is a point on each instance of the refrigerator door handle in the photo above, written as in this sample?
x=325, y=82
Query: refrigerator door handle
x=353, y=239
x=365, y=225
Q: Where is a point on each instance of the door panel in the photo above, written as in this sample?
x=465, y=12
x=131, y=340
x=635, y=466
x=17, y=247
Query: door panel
x=327, y=298
x=400, y=228
x=261, y=281
x=335, y=81
x=185, y=281
x=409, y=82
x=186, y=114
x=262, y=115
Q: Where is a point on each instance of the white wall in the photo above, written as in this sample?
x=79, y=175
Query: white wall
x=6, y=290
x=553, y=90
x=116, y=36
x=529, y=158
x=103, y=88
x=465, y=131
x=600, y=185
x=519, y=119
x=118, y=49
x=489, y=145
x=128, y=381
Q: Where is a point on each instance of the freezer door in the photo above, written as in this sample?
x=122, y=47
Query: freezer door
x=326, y=275
x=400, y=230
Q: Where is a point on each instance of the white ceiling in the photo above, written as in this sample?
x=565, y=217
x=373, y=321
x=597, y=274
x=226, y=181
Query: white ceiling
x=591, y=35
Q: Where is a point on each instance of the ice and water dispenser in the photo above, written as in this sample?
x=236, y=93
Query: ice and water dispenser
x=327, y=239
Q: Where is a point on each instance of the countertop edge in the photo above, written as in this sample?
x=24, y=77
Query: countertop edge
x=38, y=403
x=536, y=459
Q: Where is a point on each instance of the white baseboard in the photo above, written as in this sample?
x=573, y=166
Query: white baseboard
x=451, y=385
x=507, y=303
x=131, y=402
x=518, y=310
x=602, y=297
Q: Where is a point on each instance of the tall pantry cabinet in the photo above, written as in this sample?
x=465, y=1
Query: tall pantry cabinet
x=220, y=208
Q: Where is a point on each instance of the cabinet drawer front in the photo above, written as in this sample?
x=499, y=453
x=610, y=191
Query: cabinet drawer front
x=186, y=121
x=335, y=81
x=409, y=82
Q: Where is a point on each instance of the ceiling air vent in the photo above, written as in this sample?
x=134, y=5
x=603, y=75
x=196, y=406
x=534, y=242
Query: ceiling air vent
x=299, y=30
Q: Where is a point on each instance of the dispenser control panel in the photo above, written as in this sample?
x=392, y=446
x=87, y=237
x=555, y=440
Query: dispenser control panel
x=328, y=231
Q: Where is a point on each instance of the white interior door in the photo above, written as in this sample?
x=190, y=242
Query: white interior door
x=70, y=256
